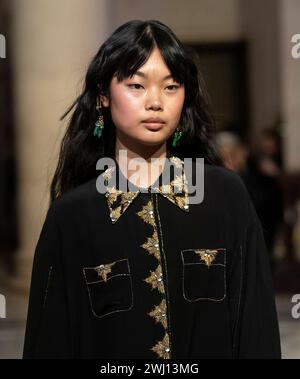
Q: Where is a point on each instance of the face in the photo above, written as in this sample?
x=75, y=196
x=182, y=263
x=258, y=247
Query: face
x=150, y=93
x=269, y=145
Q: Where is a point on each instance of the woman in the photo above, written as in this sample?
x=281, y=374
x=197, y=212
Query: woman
x=147, y=269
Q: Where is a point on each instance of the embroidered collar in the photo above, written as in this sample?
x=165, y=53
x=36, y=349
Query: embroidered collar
x=175, y=189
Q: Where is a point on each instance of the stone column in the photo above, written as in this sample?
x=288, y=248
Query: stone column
x=290, y=82
x=53, y=44
x=260, y=26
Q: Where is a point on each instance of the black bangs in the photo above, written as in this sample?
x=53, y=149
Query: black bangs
x=133, y=49
x=133, y=59
x=173, y=53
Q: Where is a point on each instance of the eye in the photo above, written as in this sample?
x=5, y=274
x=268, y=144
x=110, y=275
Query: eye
x=133, y=86
x=173, y=87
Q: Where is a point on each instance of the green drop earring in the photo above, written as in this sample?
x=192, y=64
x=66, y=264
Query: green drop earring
x=99, y=124
x=177, y=135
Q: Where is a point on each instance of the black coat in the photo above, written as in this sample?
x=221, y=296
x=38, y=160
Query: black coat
x=148, y=275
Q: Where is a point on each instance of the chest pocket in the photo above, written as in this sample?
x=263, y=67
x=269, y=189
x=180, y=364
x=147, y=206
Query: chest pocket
x=204, y=274
x=109, y=287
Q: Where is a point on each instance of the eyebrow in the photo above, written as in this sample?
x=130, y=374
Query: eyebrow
x=143, y=75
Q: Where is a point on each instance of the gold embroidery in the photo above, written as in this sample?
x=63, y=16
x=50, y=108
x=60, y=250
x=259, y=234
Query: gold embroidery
x=115, y=214
x=152, y=245
x=160, y=313
x=119, y=201
x=147, y=214
x=162, y=348
x=156, y=279
x=164, y=189
x=104, y=270
x=177, y=161
x=178, y=182
x=112, y=195
x=207, y=255
x=179, y=196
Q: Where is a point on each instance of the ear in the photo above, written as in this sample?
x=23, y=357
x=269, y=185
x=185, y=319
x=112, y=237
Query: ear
x=104, y=101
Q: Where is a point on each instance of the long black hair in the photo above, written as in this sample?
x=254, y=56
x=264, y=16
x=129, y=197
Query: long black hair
x=121, y=55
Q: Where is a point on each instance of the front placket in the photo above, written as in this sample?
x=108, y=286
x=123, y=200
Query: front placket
x=153, y=245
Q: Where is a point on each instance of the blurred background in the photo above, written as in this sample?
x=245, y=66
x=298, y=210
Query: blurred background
x=244, y=51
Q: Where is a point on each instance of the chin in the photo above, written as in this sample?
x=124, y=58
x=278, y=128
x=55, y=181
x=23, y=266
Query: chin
x=152, y=141
x=156, y=138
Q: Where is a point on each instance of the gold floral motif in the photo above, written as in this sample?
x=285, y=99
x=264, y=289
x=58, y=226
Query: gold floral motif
x=156, y=277
x=207, y=255
x=112, y=194
x=164, y=189
x=160, y=313
x=179, y=183
x=162, y=348
x=179, y=196
x=156, y=280
x=152, y=245
x=118, y=201
x=103, y=270
x=147, y=214
x=115, y=214
x=177, y=161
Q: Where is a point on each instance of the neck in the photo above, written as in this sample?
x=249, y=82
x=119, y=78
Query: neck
x=153, y=159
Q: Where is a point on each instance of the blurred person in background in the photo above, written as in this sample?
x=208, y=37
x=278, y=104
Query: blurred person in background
x=261, y=171
x=233, y=152
x=263, y=179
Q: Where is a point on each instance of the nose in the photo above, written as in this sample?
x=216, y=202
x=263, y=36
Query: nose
x=153, y=100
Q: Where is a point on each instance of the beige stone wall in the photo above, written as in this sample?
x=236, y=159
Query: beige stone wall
x=192, y=20
x=290, y=76
x=260, y=27
x=52, y=47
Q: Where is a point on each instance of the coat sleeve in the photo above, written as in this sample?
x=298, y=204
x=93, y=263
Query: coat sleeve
x=256, y=332
x=47, y=328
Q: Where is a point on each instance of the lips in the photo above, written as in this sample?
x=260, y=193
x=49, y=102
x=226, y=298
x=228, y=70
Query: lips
x=154, y=120
x=153, y=123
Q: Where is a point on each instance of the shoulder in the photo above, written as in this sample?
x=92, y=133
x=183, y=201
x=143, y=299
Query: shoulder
x=216, y=179
x=216, y=183
x=234, y=189
x=225, y=179
x=74, y=201
x=226, y=189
